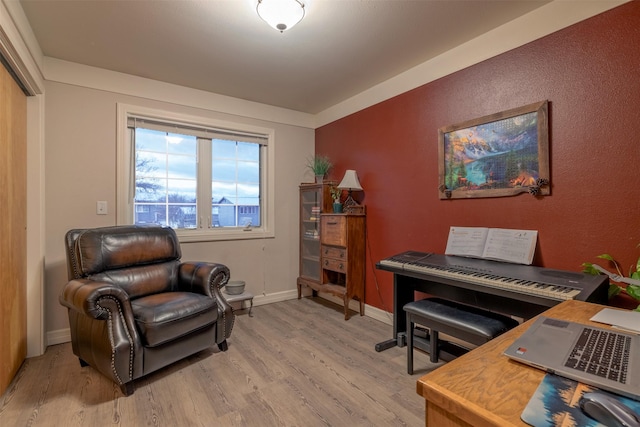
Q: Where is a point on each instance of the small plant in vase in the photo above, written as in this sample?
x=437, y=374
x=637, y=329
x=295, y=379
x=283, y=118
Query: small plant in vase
x=319, y=165
x=336, y=193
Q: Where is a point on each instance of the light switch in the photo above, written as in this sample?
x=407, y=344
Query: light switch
x=101, y=207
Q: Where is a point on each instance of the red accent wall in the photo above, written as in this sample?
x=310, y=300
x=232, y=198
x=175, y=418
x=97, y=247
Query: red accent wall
x=589, y=73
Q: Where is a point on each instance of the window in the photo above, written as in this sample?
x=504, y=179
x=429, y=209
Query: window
x=206, y=179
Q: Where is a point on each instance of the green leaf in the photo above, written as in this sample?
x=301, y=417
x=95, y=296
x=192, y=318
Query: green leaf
x=606, y=256
x=589, y=269
x=638, y=266
x=634, y=291
x=614, y=290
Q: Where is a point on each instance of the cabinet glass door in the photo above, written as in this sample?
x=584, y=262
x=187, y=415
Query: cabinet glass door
x=311, y=208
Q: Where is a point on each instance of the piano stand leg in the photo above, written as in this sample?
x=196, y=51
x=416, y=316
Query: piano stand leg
x=400, y=341
x=384, y=345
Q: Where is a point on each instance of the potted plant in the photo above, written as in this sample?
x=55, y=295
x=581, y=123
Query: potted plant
x=319, y=165
x=335, y=195
x=632, y=283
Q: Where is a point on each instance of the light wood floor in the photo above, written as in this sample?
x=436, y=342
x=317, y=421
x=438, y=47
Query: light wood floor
x=294, y=363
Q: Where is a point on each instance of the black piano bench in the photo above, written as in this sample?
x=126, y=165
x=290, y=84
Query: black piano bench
x=467, y=323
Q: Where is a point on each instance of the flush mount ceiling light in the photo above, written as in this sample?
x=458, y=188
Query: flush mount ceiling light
x=281, y=14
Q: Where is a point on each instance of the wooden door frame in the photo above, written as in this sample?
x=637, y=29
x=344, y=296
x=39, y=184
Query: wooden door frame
x=24, y=57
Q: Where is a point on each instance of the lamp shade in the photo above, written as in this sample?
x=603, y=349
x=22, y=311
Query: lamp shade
x=350, y=181
x=281, y=14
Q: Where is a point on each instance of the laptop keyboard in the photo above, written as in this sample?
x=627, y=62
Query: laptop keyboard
x=602, y=353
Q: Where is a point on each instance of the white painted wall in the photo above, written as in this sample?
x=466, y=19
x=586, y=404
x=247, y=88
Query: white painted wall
x=80, y=157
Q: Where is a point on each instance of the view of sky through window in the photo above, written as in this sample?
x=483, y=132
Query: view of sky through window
x=166, y=180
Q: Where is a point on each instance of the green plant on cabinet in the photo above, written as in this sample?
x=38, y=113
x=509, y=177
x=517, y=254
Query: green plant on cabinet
x=319, y=165
x=335, y=193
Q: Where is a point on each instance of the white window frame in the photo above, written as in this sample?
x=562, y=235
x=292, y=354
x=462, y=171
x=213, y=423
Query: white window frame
x=125, y=175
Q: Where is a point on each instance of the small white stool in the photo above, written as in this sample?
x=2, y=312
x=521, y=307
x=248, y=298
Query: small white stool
x=240, y=298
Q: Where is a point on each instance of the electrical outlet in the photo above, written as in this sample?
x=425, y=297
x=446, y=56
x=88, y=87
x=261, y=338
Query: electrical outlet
x=101, y=207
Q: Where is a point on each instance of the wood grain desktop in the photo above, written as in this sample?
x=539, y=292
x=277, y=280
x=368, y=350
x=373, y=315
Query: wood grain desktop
x=485, y=388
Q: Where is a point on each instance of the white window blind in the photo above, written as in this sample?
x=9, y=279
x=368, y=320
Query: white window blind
x=194, y=130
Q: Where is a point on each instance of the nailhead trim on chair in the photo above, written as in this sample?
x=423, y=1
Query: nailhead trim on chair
x=76, y=271
x=224, y=313
x=74, y=261
x=113, y=347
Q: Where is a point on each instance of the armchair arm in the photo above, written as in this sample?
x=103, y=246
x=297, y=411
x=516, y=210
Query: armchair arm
x=103, y=311
x=209, y=278
x=203, y=277
x=101, y=301
x=86, y=296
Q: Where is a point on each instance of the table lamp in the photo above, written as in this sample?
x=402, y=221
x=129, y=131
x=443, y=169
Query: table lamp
x=350, y=182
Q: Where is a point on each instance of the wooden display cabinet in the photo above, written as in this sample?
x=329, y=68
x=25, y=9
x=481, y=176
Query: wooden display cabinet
x=342, y=257
x=315, y=199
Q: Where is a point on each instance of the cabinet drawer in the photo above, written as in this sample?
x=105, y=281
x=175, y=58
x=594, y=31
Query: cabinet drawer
x=338, y=265
x=331, y=252
x=334, y=230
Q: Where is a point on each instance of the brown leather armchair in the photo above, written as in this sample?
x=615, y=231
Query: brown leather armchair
x=134, y=307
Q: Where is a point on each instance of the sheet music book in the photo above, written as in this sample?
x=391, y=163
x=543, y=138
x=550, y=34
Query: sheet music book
x=499, y=244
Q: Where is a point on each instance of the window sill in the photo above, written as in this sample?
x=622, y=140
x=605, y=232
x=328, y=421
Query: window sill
x=212, y=234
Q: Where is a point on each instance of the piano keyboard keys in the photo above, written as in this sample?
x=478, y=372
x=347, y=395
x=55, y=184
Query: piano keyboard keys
x=485, y=278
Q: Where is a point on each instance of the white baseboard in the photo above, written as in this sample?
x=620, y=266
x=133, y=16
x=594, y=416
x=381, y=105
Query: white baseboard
x=369, y=311
x=58, y=337
x=63, y=335
x=379, y=315
x=262, y=299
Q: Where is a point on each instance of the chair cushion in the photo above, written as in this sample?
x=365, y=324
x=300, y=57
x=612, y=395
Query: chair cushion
x=166, y=316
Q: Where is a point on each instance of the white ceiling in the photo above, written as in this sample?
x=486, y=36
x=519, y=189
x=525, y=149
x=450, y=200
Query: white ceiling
x=341, y=47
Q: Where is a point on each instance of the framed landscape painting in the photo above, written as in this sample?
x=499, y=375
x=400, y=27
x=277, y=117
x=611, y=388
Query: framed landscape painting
x=502, y=154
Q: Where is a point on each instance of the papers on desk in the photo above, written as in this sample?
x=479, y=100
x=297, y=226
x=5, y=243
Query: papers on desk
x=619, y=319
x=499, y=244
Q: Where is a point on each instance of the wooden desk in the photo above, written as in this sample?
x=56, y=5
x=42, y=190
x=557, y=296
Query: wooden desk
x=484, y=387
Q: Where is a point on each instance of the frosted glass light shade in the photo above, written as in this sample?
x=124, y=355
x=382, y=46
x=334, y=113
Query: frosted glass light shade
x=280, y=14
